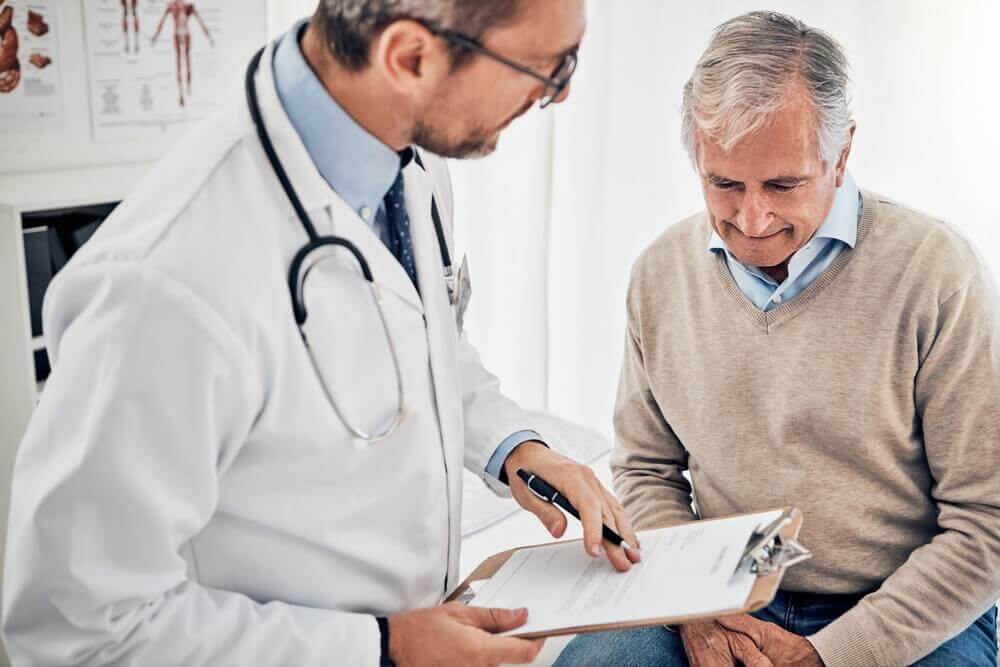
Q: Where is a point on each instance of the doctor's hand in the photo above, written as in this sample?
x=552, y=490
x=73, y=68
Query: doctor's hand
x=456, y=634
x=581, y=487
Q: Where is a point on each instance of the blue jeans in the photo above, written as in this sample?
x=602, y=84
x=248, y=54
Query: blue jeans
x=801, y=613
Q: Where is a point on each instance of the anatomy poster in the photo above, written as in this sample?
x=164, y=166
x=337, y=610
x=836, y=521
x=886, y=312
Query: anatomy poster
x=154, y=64
x=30, y=94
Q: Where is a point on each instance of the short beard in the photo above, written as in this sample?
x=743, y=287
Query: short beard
x=478, y=144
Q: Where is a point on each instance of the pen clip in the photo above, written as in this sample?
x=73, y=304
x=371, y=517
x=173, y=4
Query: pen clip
x=528, y=478
x=536, y=491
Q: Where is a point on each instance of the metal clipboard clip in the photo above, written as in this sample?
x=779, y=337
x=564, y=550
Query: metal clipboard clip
x=767, y=551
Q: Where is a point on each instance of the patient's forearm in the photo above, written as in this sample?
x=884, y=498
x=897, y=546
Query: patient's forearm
x=652, y=500
x=937, y=593
x=649, y=460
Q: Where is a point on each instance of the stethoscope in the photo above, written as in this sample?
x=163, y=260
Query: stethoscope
x=297, y=277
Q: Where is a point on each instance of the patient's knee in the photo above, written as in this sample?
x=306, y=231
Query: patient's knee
x=655, y=645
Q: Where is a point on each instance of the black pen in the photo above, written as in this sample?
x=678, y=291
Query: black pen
x=550, y=494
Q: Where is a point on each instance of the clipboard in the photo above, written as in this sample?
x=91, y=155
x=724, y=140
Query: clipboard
x=770, y=551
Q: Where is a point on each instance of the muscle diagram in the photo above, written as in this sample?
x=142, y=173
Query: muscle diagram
x=128, y=7
x=10, y=66
x=181, y=12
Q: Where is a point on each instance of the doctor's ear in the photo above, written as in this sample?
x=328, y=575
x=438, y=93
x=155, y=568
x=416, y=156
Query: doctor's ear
x=412, y=59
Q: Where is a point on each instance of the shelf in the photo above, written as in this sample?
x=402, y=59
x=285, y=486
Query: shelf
x=40, y=191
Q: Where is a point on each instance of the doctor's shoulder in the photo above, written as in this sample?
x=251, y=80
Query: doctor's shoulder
x=201, y=218
x=161, y=200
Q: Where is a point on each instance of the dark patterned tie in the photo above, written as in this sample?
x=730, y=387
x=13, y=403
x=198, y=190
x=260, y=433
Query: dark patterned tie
x=396, y=222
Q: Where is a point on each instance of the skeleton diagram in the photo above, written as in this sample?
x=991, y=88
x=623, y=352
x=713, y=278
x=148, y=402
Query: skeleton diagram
x=181, y=12
x=126, y=6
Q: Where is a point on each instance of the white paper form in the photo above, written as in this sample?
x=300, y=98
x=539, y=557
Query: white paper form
x=685, y=570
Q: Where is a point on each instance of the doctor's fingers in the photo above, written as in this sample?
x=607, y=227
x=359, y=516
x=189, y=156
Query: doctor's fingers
x=622, y=525
x=490, y=619
x=551, y=516
x=509, y=650
x=585, y=492
x=491, y=649
x=620, y=557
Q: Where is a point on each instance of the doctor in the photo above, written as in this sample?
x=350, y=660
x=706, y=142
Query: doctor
x=250, y=448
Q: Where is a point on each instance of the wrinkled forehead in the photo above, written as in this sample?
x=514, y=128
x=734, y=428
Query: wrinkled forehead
x=785, y=142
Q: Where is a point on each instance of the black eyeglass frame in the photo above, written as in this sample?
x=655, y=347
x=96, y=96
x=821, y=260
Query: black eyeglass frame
x=553, y=86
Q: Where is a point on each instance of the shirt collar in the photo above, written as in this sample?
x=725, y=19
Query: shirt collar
x=841, y=222
x=358, y=166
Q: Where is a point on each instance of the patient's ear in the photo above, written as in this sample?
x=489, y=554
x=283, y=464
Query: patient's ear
x=844, y=154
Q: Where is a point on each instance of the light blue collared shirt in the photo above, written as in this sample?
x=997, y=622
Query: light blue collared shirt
x=356, y=165
x=838, y=231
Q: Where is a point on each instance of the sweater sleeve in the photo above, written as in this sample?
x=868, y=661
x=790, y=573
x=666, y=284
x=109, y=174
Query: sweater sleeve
x=946, y=584
x=648, y=460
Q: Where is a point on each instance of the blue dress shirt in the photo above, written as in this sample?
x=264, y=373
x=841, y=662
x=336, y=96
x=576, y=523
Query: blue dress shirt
x=838, y=231
x=356, y=164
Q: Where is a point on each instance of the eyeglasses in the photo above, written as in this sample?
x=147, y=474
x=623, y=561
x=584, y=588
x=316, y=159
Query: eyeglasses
x=555, y=83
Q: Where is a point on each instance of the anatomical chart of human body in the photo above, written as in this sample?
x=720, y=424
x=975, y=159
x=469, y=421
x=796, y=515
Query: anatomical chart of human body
x=30, y=88
x=154, y=64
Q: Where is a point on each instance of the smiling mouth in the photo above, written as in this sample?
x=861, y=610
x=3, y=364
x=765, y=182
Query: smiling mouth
x=761, y=237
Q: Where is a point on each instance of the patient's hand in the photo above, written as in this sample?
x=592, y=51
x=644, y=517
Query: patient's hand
x=781, y=646
x=582, y=488
x=708, y=644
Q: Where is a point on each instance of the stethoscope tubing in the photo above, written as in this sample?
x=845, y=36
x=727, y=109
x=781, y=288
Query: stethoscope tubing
x=295, y=286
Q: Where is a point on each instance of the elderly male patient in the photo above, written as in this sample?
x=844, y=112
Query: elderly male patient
x=805, y=342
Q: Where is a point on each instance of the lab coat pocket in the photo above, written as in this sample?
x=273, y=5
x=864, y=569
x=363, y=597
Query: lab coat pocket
x=364, y=341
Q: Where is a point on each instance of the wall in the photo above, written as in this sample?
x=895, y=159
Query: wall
x=70, y=144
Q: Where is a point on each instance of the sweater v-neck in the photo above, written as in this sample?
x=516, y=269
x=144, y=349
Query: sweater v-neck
x=767, y=320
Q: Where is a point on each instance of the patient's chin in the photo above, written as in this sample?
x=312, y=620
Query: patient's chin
x=763, y=253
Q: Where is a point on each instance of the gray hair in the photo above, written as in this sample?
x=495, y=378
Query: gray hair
x=742, y=77
x=350, y=26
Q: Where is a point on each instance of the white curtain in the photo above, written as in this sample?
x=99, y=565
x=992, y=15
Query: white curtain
x=553, y=221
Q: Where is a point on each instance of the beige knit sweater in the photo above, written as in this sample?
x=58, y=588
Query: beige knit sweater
x=869, y=401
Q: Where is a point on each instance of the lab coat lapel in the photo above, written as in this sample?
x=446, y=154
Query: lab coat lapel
x=330, y=214
x=442, y=340
x=316, y=194
x=305, y=178
x=386, y=269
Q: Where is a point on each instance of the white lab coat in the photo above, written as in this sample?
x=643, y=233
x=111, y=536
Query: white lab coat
x=185, y=494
